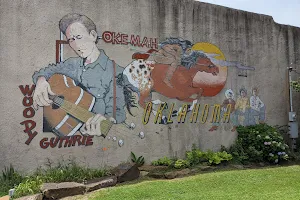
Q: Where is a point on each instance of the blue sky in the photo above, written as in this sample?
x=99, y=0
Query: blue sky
x=282, y=11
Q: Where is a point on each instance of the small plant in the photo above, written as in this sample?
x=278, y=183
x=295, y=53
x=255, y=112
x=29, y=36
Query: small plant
x=30, y=186
x=71, y=172
x=296, y=85
x=165, y=161
x=197, y=156
x=139, y=161
x=237, y=152
x=8, y=173
x=180, y=163
x=218, y=157
x=8, y=179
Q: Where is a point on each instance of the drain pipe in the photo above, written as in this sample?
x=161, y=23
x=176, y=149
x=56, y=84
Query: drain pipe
x=291, y=89
x=293, y=124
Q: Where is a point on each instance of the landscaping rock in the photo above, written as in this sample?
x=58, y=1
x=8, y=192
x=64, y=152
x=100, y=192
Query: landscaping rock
x=248, y=166
x=174, y=174
x=60, y=190
x=159, y=175
x=144, y=173
x=261, y=164
x=238, y=166
x=171, y=175
x=126, y=172
x=105, y=182
x=183, y=172
x=150, y=168
x=195, y=170
x=205, y=168
x=32, y=197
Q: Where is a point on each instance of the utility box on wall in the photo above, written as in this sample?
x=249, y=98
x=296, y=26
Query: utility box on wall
x=292, y=116
x=293, y=129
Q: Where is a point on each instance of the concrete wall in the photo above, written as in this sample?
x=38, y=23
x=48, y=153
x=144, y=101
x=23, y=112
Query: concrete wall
x=29, y=29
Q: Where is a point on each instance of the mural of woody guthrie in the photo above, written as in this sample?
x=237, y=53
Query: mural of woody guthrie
x=92, y=69
x=229, y=100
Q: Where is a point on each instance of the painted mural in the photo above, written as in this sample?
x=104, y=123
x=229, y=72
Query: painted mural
x=85, y=96
x=245, y=111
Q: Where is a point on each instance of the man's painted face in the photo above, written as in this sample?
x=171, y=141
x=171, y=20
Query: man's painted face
x=254, y=93
x=80, y=40
x=188, y=52
x=229, y=94
x=243, y=93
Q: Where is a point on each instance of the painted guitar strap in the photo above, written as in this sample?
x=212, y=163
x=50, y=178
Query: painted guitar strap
x=114, y=92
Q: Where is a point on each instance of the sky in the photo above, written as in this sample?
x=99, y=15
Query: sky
x=283, y=11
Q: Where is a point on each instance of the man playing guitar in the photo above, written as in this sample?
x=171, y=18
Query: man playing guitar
x=93, y=70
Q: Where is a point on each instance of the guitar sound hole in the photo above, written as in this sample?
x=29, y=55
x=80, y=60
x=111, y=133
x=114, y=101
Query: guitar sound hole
x=55, y=105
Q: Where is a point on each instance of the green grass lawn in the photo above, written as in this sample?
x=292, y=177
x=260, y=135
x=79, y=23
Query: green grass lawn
x=271, y=183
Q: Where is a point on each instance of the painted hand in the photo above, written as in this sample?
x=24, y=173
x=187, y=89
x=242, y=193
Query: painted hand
x=41, y=93
x=112, y=120
x=93, y=125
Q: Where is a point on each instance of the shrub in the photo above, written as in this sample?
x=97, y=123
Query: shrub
x=218, y=157
x=237, y=152
x=180, y=163
x=259, y=143
x=197, y=156
x=165, y=161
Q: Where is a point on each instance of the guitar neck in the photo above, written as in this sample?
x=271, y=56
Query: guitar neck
x=80, y=113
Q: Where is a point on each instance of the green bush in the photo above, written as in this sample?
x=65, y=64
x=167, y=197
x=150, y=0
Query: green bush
x=259, y=143
x=139, y=161
x=180, y=163
x=218, y=157
x=165, y=161
x=197, y=156
x=237, y=152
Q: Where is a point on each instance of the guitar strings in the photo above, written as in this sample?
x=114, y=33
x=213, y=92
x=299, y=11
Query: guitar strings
x=106, y=124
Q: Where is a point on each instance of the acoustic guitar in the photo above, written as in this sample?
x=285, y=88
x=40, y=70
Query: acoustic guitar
x=71, y=107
